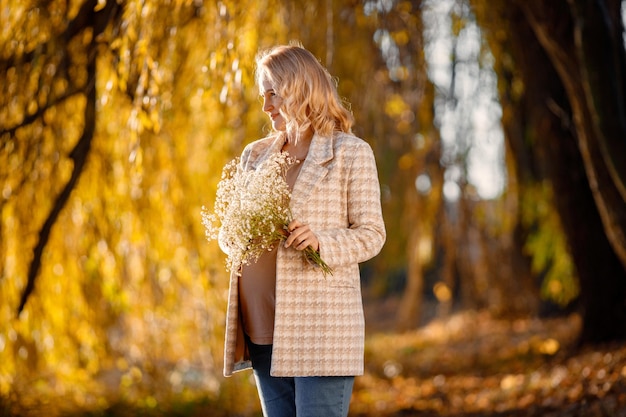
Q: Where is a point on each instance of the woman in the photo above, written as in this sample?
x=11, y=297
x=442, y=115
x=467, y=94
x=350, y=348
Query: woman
x=300, y=330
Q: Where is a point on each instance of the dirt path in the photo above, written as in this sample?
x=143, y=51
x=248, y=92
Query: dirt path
x=471, y=365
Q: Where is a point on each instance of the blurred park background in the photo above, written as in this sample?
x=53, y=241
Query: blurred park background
x=499, y=128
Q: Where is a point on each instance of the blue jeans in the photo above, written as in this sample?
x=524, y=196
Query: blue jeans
x=314, y=396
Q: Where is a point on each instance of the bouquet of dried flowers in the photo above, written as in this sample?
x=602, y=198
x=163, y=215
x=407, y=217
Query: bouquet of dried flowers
x=251, y=211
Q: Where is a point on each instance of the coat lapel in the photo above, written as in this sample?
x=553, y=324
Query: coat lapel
x=313, y=170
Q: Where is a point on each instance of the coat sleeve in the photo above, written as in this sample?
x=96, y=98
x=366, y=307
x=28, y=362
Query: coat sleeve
x=365, y=235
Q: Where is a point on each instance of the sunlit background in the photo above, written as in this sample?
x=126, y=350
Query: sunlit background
x=111, y=294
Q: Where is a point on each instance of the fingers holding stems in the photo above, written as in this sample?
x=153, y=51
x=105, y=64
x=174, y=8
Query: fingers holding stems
x=301, y=236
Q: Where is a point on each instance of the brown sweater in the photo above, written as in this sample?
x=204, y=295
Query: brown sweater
x=257, y=287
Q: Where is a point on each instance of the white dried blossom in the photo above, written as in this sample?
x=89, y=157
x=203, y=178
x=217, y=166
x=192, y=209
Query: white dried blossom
x=251, y=211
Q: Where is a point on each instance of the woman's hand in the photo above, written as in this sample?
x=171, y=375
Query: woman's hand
x=301, y=236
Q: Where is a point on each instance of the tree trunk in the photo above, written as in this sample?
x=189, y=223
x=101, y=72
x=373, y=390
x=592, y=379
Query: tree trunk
x=599, y=252
x=587, y=196
x=565, y=35
x=410, y=309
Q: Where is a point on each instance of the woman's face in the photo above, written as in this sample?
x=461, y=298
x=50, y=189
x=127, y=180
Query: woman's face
x=271, y=105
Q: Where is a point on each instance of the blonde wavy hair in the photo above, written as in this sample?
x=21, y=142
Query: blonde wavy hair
x=309, y=93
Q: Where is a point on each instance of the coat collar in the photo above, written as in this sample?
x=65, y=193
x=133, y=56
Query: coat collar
x=313, y=170
x=321, y=149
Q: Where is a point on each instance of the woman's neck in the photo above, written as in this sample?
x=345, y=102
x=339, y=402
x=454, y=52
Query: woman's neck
x=298, y=147
x=298, y=137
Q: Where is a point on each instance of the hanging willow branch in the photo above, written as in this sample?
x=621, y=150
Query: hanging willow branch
x=87, y=17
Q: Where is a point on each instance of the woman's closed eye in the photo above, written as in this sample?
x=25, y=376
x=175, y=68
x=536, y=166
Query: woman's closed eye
x=268, y=94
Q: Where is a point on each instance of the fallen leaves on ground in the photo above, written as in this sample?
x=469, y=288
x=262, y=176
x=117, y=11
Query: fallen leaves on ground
x=471, y=364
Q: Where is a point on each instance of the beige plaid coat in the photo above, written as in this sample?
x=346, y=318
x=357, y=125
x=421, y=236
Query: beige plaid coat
x=319, y=324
